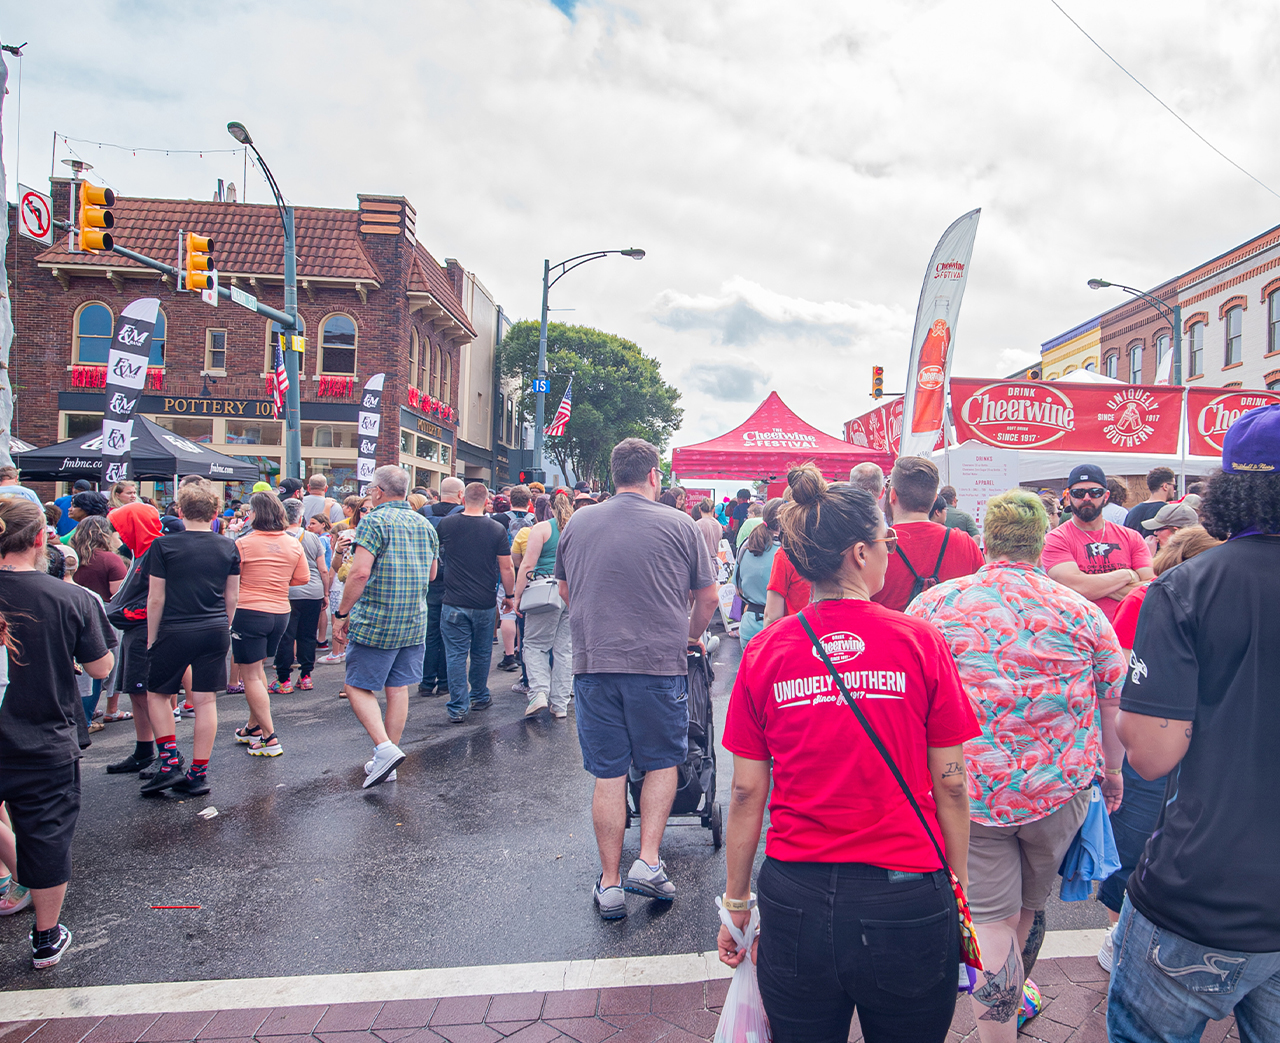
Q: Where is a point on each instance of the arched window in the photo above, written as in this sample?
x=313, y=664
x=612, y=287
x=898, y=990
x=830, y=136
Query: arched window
x=1090, y=367
x=1273, y=322
x=1110, y=366
x=1135, y=362
x=1195, y=346
x=273, y=335
x=338, y=346
x=156, y=358
x=435, y=372
x=413, y=358
x=1162, y=348
x=1234, y=323
x=446, y=377
x=94, y=324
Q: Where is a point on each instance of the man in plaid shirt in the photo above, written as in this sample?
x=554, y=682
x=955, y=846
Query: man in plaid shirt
x=386, y=599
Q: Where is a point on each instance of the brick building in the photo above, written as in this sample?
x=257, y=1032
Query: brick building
x=370, y=297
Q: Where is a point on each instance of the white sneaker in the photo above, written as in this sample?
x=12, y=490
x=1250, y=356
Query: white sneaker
x=368, y=770
x=341, y=657
x=560, y=712
x=1107, y=954
x=537, y=703
x=384, y=762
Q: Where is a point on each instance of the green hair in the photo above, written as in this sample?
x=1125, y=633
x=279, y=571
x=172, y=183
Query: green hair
x=1014, y=526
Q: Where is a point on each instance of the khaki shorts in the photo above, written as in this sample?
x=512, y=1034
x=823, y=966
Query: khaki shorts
x=1012, y=868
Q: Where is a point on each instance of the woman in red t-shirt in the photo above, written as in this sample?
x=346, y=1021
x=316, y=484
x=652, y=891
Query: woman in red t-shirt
x=855, y=911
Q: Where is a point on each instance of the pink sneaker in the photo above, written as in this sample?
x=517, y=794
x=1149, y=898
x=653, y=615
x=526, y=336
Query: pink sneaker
x=304, y=683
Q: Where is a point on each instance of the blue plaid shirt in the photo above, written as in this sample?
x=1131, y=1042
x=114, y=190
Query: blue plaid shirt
x=392, y=611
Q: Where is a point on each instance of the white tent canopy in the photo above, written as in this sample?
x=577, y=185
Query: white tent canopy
x=1036, y=465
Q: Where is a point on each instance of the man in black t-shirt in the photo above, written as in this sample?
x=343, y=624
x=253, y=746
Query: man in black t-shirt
x=1199, y=932
x=194, y=583
x=435, y=669
x=479, y=556
x=53, y=625
x=1163, y=488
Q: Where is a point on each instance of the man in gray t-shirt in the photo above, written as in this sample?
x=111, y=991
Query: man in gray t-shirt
x=317, y=498
x=628, y=570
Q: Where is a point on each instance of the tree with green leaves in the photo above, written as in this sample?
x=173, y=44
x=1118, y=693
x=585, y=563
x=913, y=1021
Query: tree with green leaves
x=618, y=392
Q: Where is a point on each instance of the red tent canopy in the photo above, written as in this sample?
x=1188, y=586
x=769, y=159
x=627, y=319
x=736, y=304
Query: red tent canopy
x=771, y=440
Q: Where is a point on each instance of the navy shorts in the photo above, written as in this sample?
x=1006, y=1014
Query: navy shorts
x=626, y=719
x=374, y=669
x=255, y=635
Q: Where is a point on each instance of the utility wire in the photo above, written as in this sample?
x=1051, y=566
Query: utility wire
x=166, y=151
x=1158, y=101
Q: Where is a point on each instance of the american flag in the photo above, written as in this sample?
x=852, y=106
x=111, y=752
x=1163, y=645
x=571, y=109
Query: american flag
x=562, y=414
x=281, y=384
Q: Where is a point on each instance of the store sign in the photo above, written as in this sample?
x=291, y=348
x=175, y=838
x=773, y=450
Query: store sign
x=1211, y=411
x=1120, y=418
x=214, y=407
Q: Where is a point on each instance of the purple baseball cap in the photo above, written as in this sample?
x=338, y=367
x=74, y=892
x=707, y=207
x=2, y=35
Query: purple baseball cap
x=1252, y=444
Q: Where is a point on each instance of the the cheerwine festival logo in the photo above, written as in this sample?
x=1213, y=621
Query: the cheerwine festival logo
x=1131, y=418
x=779, y=439
x=949, y=270
x=1214, y=419
x=841, y=647
x=1021, y=416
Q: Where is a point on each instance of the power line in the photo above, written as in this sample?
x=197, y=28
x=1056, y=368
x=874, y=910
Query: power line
x=1158, y=101
x=135, y=149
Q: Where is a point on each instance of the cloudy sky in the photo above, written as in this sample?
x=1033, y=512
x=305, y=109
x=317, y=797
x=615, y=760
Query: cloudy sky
x=788, y=167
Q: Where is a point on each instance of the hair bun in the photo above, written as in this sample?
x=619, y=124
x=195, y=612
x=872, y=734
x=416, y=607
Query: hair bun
x=807, y=484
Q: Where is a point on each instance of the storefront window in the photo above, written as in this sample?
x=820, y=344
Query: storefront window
x=428, y=450
x=192, y=429
x=444, y=454
x=329, y=436
x=253, y=432
x=77, y=424
x=406, y=441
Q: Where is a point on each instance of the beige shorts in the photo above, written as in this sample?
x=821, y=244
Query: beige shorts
x=1012, y=868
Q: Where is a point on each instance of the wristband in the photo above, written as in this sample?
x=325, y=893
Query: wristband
x=737, y=905
x=1114, y=771
x=341, y=615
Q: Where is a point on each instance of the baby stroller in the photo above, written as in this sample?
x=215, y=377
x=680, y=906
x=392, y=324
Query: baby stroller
x=696, y=777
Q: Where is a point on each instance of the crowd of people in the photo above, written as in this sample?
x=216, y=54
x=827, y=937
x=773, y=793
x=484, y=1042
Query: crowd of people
x=934, y=713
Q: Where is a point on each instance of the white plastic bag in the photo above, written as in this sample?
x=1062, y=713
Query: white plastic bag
x=743, y=1020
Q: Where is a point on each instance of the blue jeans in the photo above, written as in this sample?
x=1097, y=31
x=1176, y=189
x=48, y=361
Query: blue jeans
x=467, y=631
x=1166, y=988
x=90, y=702
x=435, y=669
x=1132, y=822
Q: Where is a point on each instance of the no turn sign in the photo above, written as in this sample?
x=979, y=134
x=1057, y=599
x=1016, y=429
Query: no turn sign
x=35, y=215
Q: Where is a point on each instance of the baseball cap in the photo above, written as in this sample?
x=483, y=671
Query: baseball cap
x=1252, y=443
x=582, y=487
x=1177, y=515
x=1086, y=473
x=262, y=487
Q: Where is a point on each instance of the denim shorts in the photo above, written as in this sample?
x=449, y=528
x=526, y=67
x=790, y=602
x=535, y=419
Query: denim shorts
x=626, y=719
x=374, y=669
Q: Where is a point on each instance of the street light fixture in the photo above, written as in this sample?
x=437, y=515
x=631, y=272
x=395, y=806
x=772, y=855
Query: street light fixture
x=1174, y=316
x=292, y=427
x=564, y=267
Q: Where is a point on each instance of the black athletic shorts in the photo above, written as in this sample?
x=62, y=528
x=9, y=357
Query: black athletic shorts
x=255, y=636
x=205, y=651
x=43, y=804
x=133, y=671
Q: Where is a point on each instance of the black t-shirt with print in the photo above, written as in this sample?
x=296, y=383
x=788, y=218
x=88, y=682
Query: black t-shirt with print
x=1207, y=650
x=473, y=545
x=54, y=624
x=195, y=566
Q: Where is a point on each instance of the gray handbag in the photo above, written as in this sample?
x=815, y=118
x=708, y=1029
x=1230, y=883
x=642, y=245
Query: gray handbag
x=541, y=595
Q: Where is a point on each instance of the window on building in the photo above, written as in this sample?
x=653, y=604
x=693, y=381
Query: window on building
x=413, y=359
x=193, y=429
x=435, y=372
x=215, y=351
x=1135, y=362
x=1069, y=369
x=76, y=424
x=329, y=436
x=1195, y=345
x=273, y=337
x=1090, y=367
x=1162, y=348
x=1273, y=322
x=1273, y=385
x=446, y=377
x=338, y=346
x=156, y=358
x=1110, y=366
x=253, y=432
x=1235, y=338
x=93, y=327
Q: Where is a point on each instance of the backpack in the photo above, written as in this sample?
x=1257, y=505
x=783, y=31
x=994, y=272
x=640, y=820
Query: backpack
x=923, y=583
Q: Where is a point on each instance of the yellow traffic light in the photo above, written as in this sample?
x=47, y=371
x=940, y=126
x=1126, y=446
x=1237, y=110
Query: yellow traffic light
x=199, y=268
x=877, y=381
x=94, y=216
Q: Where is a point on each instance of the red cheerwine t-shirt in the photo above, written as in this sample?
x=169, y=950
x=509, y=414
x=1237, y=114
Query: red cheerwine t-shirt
x=921, y=541
x=834, y=799
x=1126, y=621
x=1108, y=549
x=785, y=580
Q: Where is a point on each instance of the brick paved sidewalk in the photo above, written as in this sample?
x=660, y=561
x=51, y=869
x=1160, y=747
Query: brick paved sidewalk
x=1074, y=988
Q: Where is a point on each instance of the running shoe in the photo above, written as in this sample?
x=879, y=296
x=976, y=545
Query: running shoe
x=1032, y=1002
x=15, y=899
x=49, y=953
x=509, y=663
x=304, y=683
x=177, y=713
x=1107, y=954
x=341, y=657
x=188, y=710
x=560, y=712
x=537, y=703
x=520, y=688
x=611, y=902
x=280, y=688
x=644, y=879
x=322, y=646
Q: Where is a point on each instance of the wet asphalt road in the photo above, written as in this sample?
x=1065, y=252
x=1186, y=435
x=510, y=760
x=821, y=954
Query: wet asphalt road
x=481, y=853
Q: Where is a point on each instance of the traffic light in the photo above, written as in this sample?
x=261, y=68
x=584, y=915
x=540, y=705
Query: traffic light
x=95, y=215
x=877, y=381
x=535, y=475
x=199, y=273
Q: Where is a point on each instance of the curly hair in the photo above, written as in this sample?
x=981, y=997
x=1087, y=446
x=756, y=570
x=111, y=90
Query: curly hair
x=1234, y=503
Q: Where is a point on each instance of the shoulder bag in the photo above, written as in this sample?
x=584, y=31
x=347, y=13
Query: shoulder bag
x=541, y=595
x=970, y=954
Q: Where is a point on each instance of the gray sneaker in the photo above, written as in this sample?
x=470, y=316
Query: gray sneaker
x=368, y=770
x=611, y=902
x=537, y=703
x=652, y=883
x=384, y=762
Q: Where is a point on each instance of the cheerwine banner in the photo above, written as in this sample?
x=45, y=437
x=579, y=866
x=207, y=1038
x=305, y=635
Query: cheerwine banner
x=937, y=314
x=368, y=425
x=778, y=439
x=126, y=374
x=1091, y=418
x=881, y=430
x=1210, y=411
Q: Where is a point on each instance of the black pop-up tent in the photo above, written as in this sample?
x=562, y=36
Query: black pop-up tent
x=157, y=454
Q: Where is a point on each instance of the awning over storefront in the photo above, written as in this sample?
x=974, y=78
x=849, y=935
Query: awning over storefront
x=157, y=454
x=771, y=441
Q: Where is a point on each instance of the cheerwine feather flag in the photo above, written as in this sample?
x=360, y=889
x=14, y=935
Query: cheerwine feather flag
x=126, y=374
x=368, y=426
x=937, y=314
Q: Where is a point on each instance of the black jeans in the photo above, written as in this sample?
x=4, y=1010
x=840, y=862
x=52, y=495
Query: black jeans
x=304, y=618
x=435, y=670
x=840, y=937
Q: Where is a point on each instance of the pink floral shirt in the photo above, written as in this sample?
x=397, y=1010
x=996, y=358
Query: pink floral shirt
x=1035, y=658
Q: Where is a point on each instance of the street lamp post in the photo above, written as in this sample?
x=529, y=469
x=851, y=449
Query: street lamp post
x=564, y=267
x=1174, y=316
x=292, y=426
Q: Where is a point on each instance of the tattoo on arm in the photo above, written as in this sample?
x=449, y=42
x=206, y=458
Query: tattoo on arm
x=1166, y=722
x=1002, y=993
x=1189, y=729
x=952, y=769
x=1035, y=939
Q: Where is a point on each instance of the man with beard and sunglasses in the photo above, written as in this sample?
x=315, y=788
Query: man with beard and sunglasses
x=1096, y=558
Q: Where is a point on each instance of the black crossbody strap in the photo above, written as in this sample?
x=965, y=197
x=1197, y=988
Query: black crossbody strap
x=936, y=565
x=871, y=734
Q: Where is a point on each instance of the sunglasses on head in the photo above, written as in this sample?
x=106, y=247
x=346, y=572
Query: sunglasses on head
x=1088, y=494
